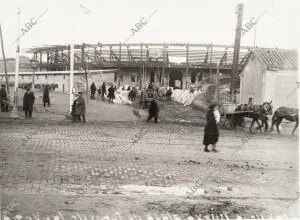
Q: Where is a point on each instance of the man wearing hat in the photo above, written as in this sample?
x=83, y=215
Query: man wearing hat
x=211, y=133
x=80, y=108
x=28, y=101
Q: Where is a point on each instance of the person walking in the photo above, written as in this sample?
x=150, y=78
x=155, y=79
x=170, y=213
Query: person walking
x=103, y=87
x=46, y=97
x=3, y=99
x=99, y=91
x=111, y=94
x=80, y=108
x=153, y=111
x=132, y=94
x=211, y=133
x=28, y=101
x=93, y=90
x=75, y=115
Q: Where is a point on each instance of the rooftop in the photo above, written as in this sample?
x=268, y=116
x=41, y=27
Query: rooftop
x=279, y=59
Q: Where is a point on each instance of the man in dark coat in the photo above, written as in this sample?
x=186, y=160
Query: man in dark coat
x=132, y=94
x=75, y=115
x=3, y=99
x=153, y=111
x=103, y=87
x=28, y=101
x=80, y=108
x=111, y=94
x=211, y=133
x=46, y=97
x=93, y=90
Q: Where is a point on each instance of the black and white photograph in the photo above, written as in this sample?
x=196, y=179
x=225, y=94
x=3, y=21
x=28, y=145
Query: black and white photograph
x=155, y=110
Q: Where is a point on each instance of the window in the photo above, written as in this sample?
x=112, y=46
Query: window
x=37, y=77
x=46, y=76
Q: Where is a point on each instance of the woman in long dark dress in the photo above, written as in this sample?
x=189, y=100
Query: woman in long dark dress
x=103, y=87
x=111, y=94
x=211, y=133
x=46, y=97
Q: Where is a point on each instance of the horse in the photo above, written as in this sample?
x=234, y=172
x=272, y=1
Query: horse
x=257, y=112
x=289, y=114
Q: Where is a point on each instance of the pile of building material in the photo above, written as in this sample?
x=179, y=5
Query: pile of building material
x=122, y=97
x=185, y=97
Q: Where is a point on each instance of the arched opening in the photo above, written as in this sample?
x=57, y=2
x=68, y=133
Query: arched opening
x=175, y=79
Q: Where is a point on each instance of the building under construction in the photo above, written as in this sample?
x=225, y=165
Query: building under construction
x=175, y=64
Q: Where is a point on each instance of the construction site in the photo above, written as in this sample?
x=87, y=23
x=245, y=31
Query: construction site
x=115, y=163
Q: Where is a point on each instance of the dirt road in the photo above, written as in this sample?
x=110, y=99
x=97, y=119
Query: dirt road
x=127, y=169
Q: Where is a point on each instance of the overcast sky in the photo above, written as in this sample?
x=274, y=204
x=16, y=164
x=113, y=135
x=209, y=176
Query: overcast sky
x=110, y=21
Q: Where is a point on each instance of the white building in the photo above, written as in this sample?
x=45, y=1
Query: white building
x=270, y=74
x=62, y=78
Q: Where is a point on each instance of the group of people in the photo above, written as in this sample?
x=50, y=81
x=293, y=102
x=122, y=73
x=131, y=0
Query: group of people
x=102, y=91
x=211, y=133
x=29, y=99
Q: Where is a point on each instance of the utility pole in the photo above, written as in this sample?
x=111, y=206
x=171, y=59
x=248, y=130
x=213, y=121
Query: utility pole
x=210, y=63
x=14, y=112
x=164, y=66
x=84, y=64
x=235, y=63
x=72, y=58
x=71, y=75
x=218, y=82
x=141, y=67
x=4, y=61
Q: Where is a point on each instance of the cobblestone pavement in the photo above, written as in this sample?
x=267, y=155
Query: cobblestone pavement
x=133, y=168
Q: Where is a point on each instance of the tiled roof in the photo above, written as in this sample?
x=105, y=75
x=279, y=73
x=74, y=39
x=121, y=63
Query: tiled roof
x=277, y=58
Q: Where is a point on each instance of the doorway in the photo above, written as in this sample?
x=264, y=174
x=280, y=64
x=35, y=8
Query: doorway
x=175, y=79
x=152, y=77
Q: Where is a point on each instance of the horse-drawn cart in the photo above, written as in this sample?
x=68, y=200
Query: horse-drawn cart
x=230, y=118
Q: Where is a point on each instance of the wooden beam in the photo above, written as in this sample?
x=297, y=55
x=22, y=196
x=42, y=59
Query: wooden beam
x=237, y=43
x=187, y=66
x=4, y=60
x=210, y=62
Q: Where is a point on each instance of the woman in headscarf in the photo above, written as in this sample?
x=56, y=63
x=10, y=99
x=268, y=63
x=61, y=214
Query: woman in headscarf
x=211, y=133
